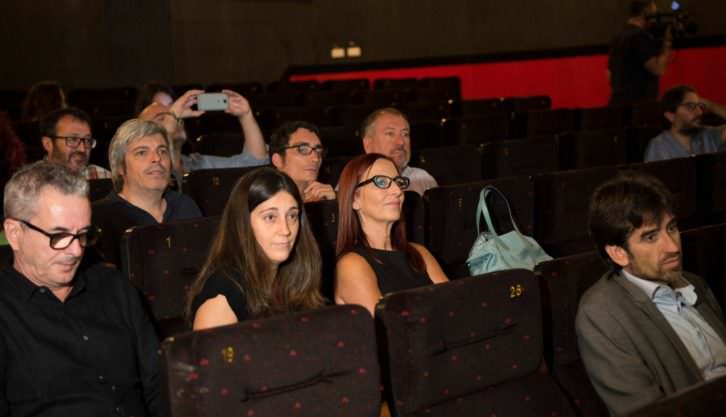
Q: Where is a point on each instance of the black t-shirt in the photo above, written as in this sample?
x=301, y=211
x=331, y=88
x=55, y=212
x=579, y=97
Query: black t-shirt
x=113, y=215
x=218, y=284
x=630, y=81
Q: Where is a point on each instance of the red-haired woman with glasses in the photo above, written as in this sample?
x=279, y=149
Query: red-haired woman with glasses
x=374, y=256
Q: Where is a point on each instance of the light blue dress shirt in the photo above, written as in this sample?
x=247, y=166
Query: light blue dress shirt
x=677, y=306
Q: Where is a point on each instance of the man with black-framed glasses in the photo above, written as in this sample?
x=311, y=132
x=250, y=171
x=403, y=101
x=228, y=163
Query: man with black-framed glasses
x=66, y=137
x=296, y=150
x=682, y=110
x=74, y=339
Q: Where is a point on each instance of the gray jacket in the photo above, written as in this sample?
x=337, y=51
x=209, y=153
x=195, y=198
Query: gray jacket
x=631, y=353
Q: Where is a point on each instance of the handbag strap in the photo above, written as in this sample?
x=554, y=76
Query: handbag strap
x=483, y=209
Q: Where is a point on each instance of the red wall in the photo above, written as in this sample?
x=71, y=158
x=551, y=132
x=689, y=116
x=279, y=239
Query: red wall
x=571, y=81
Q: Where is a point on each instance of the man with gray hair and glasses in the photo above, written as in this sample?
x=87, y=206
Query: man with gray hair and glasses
x=140, y=160
x=66, y=137
x=74, y=340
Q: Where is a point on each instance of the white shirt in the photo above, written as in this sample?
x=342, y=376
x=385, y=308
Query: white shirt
x=420, y=179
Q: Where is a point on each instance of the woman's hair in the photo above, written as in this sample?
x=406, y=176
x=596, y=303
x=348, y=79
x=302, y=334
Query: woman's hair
x=42, y=98
x=350, y=232
x=12, y=150
x=147, y=93
x=236, y=254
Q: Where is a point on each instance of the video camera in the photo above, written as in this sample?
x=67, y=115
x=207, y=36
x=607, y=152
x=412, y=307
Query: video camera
x=680, y=23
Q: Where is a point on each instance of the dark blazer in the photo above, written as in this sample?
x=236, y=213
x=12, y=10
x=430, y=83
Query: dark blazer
x=631, y=353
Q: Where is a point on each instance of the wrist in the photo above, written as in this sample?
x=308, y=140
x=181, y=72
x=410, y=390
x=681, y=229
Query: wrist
x=178, y=120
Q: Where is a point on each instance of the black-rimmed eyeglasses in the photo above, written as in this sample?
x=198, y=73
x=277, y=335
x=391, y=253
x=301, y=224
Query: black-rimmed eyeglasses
x=307, y=149
x=75, y=141
x=62, y=240
x=384, y=182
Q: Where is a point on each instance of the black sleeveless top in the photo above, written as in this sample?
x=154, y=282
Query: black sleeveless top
x=217, y=284
x=392, y=270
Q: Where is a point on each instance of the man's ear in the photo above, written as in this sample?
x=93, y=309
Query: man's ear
x=277, y=160
x=47, y=144
x=367, y=144
x=12, y=232
x=669, y=116
x=618, y=255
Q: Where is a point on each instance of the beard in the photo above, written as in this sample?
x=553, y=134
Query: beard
x=692, y=128
x=673, y=276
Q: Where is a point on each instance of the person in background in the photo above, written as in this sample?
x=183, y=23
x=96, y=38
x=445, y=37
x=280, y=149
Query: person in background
x=140, y=170
x=12, y=152
x=154, y=91
x=42, y=98
x=66, y=137
x=682, y=108
x=254, y=150
x=374, y=256
x=637, y=60
x=386, y=131
x=264, y=260
x=296, y=150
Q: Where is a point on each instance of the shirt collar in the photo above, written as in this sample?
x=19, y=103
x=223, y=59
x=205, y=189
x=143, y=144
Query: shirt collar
x=28, y=288
x=651, y=287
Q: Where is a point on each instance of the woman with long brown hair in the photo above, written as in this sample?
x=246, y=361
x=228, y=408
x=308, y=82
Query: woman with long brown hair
x=374, y=256
x=264, y=260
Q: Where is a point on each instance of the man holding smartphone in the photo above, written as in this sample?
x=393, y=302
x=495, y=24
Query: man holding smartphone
x=254, y=151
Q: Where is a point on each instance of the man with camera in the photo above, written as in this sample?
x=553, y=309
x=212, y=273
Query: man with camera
x=637, y=59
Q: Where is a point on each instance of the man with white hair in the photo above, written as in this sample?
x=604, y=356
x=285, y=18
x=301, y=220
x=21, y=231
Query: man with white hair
x=75, y=340
x=386, y=131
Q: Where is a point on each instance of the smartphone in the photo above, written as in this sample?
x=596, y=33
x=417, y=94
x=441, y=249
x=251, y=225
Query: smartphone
x=212, y=101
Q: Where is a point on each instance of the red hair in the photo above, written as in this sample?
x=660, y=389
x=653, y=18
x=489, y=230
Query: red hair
x=12, y=150
x=350, y=232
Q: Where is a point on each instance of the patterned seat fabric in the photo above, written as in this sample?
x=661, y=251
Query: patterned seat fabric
x=471, y=347
x=320, y=363
x=163, y=260
x=562, y=200
x=210, y=188
x=702, y=251
x=564, y=280
x=680, y=176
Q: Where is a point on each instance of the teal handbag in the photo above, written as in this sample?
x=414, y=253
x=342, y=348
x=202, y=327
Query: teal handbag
x=493, y=252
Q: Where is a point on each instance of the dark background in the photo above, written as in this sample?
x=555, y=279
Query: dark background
x=97, y=43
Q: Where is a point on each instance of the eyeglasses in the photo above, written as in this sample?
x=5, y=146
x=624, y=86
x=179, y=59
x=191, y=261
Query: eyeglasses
x=384, y=182
x=62, y=240
x=692, y=106
x=307, y=149
x=74, y=141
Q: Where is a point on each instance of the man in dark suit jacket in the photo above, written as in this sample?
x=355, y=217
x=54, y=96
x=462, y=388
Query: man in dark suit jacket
x=646, y=329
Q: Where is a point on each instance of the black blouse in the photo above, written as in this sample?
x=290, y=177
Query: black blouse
x=392, y=270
